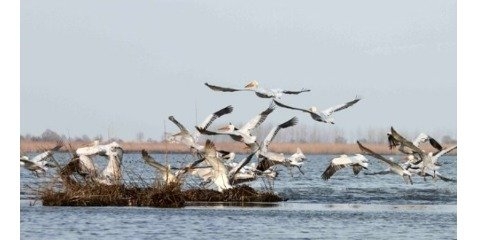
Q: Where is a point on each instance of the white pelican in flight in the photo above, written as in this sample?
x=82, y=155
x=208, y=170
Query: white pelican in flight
x=272, y=133
x=243, y=134
x=395, y=167
x=167, y=174
x=260, y=92
x=39, y=163
x=325, y=115
x=428, y=161
x=297, y=159
x=185, y=137
x=269, y=159
x=395, y=139
x=357, y=162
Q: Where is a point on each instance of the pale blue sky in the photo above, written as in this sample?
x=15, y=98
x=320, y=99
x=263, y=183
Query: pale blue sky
x=120, y=67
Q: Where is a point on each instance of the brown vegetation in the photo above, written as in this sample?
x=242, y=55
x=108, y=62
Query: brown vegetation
x=307, y=148
x=164, y=196
x=78, y=190
x=104, y=195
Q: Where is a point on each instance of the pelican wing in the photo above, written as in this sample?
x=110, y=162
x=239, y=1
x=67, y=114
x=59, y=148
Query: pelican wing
x=406, y=143
x=331, y=170
x=48, y=152
x=239, y=166
x=286, y=106
x=265, y=164
x=208, y=132
x=357, y=168
x=257, y=120
x=339, y=107
x=27, y=163
x=190, y=167
x=207, y=122
x=296, y=92
x=335, y=165
x=435, y=144
x=210, y=149
x=392, y=142
x=375, y=155
x=264, y=146
x=224, y=89
x=444, y=151
x=151, y=161
x=180, y=126
x=265, y=93
x=42, y=156
x=220, y=173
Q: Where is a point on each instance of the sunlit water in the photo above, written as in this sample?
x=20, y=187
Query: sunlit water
x=345, y=207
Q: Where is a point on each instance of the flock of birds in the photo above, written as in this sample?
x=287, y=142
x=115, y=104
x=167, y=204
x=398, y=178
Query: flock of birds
x=217, y=166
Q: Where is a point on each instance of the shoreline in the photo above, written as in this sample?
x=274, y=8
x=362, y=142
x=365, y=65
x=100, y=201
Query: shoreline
x=286, y=148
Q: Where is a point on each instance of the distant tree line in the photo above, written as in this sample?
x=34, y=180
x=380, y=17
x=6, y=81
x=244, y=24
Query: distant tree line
x=300, y=133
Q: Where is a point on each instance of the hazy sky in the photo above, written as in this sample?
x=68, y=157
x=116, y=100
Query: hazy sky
x=120, y=67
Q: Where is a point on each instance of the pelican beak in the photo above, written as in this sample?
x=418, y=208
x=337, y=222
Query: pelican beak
x=249, y=85
x=225, y=128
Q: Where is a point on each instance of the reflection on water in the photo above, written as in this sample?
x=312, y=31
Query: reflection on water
x=346, y=206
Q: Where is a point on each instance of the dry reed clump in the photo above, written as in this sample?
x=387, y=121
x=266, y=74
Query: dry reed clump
x=165, y=196
x=242, y=193
x=114, y=195
x=76, y=190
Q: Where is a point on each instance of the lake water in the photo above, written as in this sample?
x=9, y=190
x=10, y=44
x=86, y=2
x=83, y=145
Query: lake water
x=345, y=207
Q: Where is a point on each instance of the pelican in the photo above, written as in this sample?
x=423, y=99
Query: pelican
x=190, y=140
x=269, y=159
x=325, y=115
x=395, y=167
x=429, y=161
x=395, y=139
x=39, y=163
x=238, y=169
x=112, y=174
x=297, y=159
x=272, y=133
x=357, y=162
x=260, y=92
x=219, y=173
x=223, y=177
x=169, y=174
x=87, y=168
x=166, y=173
x=92, y=149
x=210, y=118
x=243, y=134
x=426, y=160
x=184, y=136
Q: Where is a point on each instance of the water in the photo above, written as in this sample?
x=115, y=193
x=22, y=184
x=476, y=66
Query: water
x=345, y=207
